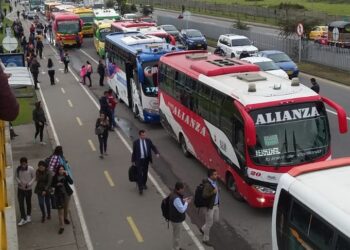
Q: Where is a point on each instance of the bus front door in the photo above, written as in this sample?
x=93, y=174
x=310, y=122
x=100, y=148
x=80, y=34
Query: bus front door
x=129, y=77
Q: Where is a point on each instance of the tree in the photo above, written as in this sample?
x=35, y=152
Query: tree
x=109, y=3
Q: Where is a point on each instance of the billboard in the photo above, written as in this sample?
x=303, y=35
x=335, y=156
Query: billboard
x=13, y=60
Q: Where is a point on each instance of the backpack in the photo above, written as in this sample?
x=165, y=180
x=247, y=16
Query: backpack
x=165, y=207
x=199, y=200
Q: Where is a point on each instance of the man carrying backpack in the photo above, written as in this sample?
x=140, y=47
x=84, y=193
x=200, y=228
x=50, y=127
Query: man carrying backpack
x=211, y=194
x=174, y=210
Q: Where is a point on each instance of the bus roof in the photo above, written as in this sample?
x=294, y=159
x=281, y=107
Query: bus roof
x=102, y=13
x=65, y=16
x=338, y=24
x=64, y=7
x=155, y=31
x=52, y=3
x=82, y=10
x=132, y=24
x=235, y=77
x=105, y=23
x=324, y=186
x=139, y=44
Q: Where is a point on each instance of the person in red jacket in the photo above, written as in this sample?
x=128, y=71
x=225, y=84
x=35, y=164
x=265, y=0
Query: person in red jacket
x=112, y=102
x=9, y=106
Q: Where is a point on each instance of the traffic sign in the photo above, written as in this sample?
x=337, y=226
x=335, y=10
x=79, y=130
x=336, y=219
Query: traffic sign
x=335, y=34
x=10, y=43
x=300, y=29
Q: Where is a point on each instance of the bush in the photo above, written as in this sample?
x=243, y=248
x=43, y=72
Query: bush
x=240, y=25
x=291, y=6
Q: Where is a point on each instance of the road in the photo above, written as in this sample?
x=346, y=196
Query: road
x=106, y=207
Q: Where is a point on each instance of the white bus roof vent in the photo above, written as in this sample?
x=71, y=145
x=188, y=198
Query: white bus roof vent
x=197, y=56
x=251, y=87
x=222, y=62
x=295, y=82
x=140, y=39
x=251, y=77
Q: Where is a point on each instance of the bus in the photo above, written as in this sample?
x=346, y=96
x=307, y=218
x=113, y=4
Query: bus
x=311, y=210
x=339, y=34
x=87, y=15
x=132, y=63
x=249, y=125
x=67, y=28
x=49, y=6
x=101, y=14
x=101, y=28
x=35, y=5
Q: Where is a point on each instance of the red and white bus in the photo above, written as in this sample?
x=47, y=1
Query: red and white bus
x=249, y=125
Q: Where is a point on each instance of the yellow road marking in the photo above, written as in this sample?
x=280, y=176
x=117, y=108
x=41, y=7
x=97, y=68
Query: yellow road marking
x=109, y=179
x=92, y=145
x=70, y=103
x=79, y=121
x=62, y=89
x=134, y=228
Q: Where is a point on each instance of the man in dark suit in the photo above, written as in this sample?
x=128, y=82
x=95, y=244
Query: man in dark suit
x=141, y=157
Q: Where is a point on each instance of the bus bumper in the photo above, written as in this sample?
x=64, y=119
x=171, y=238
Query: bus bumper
x=256, y=197
x=151, y=117
x=87, y=32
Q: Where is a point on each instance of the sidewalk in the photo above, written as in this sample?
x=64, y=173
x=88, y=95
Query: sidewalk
x=37, y=235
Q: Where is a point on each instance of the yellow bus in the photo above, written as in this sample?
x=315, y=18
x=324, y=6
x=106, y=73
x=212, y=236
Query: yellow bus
x=87, y=15
x=101, y=29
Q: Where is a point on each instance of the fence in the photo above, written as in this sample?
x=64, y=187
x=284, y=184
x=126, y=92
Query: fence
x=325, y=55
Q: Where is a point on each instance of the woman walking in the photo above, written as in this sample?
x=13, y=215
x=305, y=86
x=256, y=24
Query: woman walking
x=51, y=71
x=82, y=74
x=101, y=130
x=39, y=121
x=66, y=61
x=63, y=192
x=42, y=189
x=88, y=72
x=56, y=159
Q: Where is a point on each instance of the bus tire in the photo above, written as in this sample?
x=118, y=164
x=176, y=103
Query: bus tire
x=232, y=187
x=184, y=146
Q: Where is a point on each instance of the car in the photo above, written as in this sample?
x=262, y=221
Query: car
x=318, y=32
x=282, y=60
x=193, y=39
x=32, y=14
x=233, y=45
x=266, y=65
x=171, y=29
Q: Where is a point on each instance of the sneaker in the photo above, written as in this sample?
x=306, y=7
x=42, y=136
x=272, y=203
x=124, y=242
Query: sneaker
x=22, y=222
x=101, y=156
x=29, y=219
x=43, y=143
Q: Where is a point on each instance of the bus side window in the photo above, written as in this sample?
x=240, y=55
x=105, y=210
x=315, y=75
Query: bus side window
x=283, y=208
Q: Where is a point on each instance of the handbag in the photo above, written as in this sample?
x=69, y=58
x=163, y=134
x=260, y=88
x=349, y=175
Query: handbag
x=132, y=173
x=99, y=130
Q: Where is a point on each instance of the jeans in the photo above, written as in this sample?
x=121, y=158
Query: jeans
x=102, y=139
x=111, y=119
x=142, y=171
x=52, y=76
x=44, y=200
x=35, y=78
x=211, y=216
x=25, y=196
x=39, y=129
x=39, y=51
x=65, y=67
x=88, y=76
x=102, y=77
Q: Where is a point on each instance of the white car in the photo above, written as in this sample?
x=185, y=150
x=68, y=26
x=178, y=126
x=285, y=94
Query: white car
x=266, y=65
x=233, y=45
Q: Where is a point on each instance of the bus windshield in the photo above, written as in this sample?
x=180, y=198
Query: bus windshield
x=150, y=83
x=68, y=27
x=87, y=19
x=103, y=33
x=291, y=134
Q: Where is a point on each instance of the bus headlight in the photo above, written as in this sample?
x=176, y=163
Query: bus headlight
x=264, y=190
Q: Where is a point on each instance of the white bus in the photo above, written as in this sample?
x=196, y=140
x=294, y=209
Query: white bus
x=312, y=207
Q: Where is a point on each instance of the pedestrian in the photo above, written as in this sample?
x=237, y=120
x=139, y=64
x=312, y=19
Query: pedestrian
x=82, y=74
x=56, y=159
x=49, y=29
x=177, y=212
x=34, y=69
x=61, y=183
x=32, y=30
x=42, y=189
x=24, y=44
x=211, y=194
x=104, y=105
x=60, y=46
x=45, y=31
x=101, y=69
x=66, y=61
x=88, y=72
x=112, y=103
x=18, y=12
x=39, y=121
x=25, y=177
x=141, y=156
x=51, y=71
x=315, y=86
x=39, y=46
x=101, y=130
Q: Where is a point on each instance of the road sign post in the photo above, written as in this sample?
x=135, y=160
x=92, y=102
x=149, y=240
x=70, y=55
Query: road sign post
x=300, y=32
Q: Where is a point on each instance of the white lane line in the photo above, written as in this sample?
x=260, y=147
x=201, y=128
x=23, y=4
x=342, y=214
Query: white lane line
x=76, y=199
x=43, y=72
x=70, y=103
x=63, y=91
x=93, y=59
x=109, y=178
x=92, y=146
x=154, y=182
x=79, y=121
x=57, y=80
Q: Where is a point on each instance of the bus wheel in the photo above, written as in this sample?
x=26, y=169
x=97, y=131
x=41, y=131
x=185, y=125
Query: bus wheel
x=184, y=146
x=231, y=185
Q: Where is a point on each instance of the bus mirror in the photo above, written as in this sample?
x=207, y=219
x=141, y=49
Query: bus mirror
x=341, y=113
x=249, y=126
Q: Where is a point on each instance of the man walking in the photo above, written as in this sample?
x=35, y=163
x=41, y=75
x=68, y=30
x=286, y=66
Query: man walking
x=211, y=194
x=34, y=69
x=101, y=69
x=141, y=156
x=112, y=102
x=177, y=212
x=105, y=107
x=25, y=177
x=315, y=86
